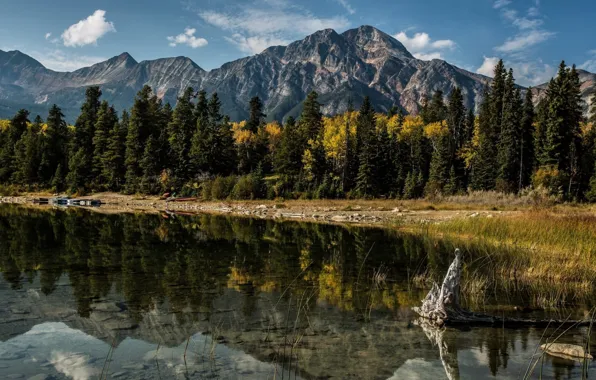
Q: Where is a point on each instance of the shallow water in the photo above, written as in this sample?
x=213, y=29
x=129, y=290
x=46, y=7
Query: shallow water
x=85, y=295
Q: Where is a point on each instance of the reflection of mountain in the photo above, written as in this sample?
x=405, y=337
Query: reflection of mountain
x=290, y=293
x=327, y=336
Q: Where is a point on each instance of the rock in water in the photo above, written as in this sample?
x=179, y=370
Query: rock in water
x=567, y=351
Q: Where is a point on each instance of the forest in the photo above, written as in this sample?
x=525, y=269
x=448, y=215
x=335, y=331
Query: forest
x=509, y=145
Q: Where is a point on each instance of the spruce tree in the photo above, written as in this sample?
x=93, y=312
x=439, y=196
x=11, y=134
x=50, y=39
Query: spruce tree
x=149, y=183
x=54, y=149
x=440, y=165
x=27, y=155
x=113, y=157
x=139, y=129
x=485, y=163
x=591, y=193
x=256, y=116
x=367, y=179
x=509, y=140
x=436, y=110
x=311, y=118
x=181, y=130
x=80, y=173
x=287, y=160
x=16, y=129
x=107, y=119
x=526, y=152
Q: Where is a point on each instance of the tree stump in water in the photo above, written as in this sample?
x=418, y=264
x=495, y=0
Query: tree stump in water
x=441, y=306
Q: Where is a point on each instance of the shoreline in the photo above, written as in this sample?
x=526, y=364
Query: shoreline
x=341, y=212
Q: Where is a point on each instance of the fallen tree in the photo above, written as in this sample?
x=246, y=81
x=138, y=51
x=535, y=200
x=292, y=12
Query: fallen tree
x=442, y=306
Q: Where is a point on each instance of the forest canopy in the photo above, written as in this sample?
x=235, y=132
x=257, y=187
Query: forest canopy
x=508, y=145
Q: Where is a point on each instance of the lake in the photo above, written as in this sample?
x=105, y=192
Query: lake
x=90, y=295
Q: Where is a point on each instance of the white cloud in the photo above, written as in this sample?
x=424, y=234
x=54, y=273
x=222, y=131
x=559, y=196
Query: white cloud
x=529, y=73
x=74, y=365
x=533, y=12
x=523, y=41
x=422, y=46
x=188, y=38
x=428, y=56
x=265, y=22
x=254, y=44
x=88, y=31
x=48, y=35
x=589, y=65
x=501, y=3
x=60, y=60
x=488, y=66
x=347, y=6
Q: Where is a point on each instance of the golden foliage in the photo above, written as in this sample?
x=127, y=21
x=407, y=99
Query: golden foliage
x=4, y=124
x=413, y=126
x=334, y=133
x=241, y=135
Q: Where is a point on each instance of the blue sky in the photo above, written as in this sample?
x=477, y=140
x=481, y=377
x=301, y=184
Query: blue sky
x=532, y=36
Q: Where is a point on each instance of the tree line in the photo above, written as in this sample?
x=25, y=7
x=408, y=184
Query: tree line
x=193, y=149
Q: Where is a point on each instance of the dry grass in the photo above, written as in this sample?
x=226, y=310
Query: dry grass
x=551, y=254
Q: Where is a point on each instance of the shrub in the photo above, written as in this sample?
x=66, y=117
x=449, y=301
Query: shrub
x=221, y=187
x=247, y=187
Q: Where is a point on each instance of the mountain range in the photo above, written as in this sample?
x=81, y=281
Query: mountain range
x=340, y=67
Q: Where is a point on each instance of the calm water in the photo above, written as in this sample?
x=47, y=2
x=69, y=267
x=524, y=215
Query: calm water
x=88, y=295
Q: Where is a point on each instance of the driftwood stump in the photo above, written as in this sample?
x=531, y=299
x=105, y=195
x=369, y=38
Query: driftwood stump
x=441, y=306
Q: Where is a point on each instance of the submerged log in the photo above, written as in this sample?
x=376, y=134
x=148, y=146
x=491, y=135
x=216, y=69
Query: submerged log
x=441, y=306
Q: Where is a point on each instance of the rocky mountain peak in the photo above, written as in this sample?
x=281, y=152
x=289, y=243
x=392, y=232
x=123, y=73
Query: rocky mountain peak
x=377, y=42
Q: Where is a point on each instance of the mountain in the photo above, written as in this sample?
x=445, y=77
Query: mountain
x=340, y=67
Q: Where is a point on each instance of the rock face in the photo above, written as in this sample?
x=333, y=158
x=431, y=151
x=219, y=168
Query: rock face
x=340, y=67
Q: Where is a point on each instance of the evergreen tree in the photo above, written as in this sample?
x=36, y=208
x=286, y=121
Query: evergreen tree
x=311, y=118
x=16, y=129
x=107, y=119
x=181, y=130
x=256, y=116
x=80, y=173
x=139, y=129
x=457, y=123
x=440, y=165
x=485, y=163
x=287, y=160
x=367, y=180
x=54, y=149
x=591, y=193
x=436, y=110
x=27, y=155
x=509, y=141
x=526, y=151
x=149, y=183
x=113, y=157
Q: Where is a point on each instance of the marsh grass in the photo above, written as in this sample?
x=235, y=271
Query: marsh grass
x=543, y=249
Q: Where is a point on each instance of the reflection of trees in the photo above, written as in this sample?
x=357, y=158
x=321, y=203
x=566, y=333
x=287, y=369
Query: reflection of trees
x=189, y=261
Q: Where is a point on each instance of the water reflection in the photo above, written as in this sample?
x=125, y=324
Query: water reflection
x=281, y=299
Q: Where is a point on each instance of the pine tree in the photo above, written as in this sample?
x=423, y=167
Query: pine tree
x=485, y=163
x=27, y=155
x=16, y=129
x=113, y=157
x=149, y=183
x=508, y=157
x=436, y=110
x=591, y=193
x=256, y=116
x=460, y=136
x=181, y=130
x=366, y=181
x=526, y=152
x=107, y=119
x=287, y=160
x=311, y=118
x=139, y=129
x=80, y=173
x=440, y=165
x=54, y=149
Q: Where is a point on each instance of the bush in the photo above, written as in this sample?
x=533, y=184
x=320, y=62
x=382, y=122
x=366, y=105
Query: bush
x=221, y=187
x=247, y=187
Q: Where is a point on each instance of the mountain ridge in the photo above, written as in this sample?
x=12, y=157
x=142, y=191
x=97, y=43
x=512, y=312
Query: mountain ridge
x=359, y=62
